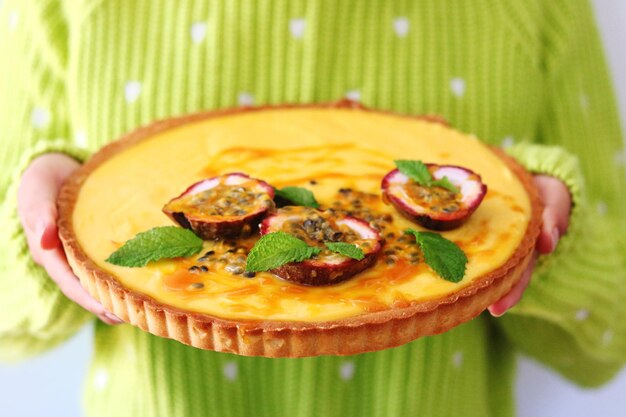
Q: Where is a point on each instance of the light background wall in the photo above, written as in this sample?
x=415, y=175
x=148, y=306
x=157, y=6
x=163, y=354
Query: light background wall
x=50, y=385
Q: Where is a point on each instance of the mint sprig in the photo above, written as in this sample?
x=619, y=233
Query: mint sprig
x=441, y=254
x=346, y=249
x=418, y=172
x=154, y=244
x=276, y=249
x=298, y=196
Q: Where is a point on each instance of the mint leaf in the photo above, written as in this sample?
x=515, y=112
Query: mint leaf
x=276, y=249
x=298, y=196
x=441, y=254
x=416, y=170
x=154, y=244
x=445, y=183
x=346, y=249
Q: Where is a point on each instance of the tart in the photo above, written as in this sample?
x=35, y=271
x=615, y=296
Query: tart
x=340, y=153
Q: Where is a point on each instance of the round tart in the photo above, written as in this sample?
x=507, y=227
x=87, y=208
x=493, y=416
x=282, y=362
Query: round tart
x=340, y=153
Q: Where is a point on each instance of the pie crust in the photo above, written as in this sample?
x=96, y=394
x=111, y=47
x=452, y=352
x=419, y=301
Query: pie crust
x=366, y=332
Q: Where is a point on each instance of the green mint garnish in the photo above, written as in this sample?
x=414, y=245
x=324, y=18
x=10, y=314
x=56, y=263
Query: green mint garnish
x=346, y=249
x=154, y=244
x=298, y=196
x=445, y=183
x=276, y=249
x=418, y=172
x=441, y=254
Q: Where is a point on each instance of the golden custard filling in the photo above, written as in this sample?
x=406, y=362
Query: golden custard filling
x=341, y=155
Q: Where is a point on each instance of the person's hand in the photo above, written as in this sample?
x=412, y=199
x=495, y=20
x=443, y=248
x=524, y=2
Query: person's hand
x=557, y=204
x=36, y=205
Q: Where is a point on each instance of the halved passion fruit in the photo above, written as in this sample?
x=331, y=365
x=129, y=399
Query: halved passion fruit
x=435, y=207
x=228, y=206
x=317, y=227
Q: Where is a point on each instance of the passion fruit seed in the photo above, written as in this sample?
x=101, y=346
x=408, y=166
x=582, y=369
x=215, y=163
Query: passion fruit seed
x=197, y=285
x=443, y=201
x=318, y=228
x=228, y=206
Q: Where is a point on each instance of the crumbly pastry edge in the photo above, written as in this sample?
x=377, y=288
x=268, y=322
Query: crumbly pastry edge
x=359, y=334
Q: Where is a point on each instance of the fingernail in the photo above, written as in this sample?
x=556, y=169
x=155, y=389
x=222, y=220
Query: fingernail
x=113, y=317
x=496, y=314
x=555, y=238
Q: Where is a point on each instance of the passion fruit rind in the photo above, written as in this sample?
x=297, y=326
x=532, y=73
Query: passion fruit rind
x=435, y=207
x=316, y=227
x=223, y=207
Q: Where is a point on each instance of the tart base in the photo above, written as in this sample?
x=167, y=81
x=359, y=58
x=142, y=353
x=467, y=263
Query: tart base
x=364, y=333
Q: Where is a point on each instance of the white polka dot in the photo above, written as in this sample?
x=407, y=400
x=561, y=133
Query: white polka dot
x=601, y=208
x=297, y=27
x=582, y=314
x=198, y=32
x=80, y=138
x=13, y=20
x=457, y=85
x=346, y=370
x=607, y=337
x=620, y=157
x=457, y=359
x=245, y=99
x=508, y=141
x=132, y=90
x=130, y=350
x=401, y=26
x=40, y=117
x=584, y=101
x=354, y=95
x=100, y=379
x=230, y=371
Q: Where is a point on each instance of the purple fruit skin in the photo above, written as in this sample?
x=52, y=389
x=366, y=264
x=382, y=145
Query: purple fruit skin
x=442, y=221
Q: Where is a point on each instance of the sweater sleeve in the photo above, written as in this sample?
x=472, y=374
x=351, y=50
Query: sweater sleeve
x=573, y=316
x=34, y=314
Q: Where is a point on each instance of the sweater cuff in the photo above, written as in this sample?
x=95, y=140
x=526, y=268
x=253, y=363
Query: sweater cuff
x=36, y=314
x=561, y=164
x=567, y=316
x=554, y=161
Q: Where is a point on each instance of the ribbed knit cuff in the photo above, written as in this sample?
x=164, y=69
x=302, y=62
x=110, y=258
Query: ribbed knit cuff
x=559, y=163
x=566, y=317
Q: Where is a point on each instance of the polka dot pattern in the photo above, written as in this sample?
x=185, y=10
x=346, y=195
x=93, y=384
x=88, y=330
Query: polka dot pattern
x=132, y=90
x=100, y=379
x=40, y=118
x=582, y=314
x=354, y=95
x=13, y=20
x=80, y=139
x=297, y=26
x=245, y=99
x=457, y=359
x=457, y=86
x=401, y=26
x=346, y=370
x=230, y=370
x=508, y=141
x=198, y=32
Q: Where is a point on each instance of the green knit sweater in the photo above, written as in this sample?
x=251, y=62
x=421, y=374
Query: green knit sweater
x=526, y=74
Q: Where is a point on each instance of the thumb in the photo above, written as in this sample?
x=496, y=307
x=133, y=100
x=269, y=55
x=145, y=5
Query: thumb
x=37, y=196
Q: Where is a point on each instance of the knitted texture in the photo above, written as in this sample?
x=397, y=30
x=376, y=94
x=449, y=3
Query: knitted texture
x=79, y=73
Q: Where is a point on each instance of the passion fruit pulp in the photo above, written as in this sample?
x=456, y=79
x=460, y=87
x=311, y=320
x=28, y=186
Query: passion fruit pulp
x=435, y=207
x=316, y=227
x=227, y=206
